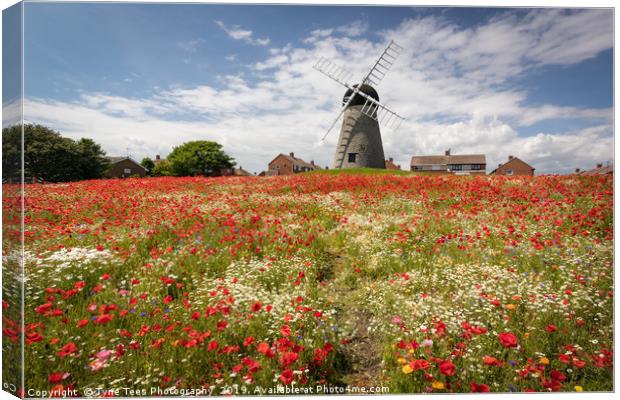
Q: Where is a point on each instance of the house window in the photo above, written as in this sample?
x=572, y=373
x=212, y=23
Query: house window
x=457, y=167
x=435, y=167
x=476, y=166
x=277, y=167
x=127, y=171
x=352, y=157
x=509, y=172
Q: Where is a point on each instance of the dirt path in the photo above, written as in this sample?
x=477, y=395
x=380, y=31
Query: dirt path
x=362, y=355
x=364, y=352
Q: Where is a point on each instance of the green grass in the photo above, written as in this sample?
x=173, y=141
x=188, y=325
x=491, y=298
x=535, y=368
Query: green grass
x=365, y=171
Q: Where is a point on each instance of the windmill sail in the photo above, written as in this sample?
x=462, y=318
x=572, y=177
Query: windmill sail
x=333, y=71
x=338, y=117
x=383, y=64
x=380, y=112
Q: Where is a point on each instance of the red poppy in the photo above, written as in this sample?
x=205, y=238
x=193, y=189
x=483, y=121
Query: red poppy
x=551, y=328
x=285, y=330
x=265, y=349
x=56, y=377
x=103, y=319
x=508, y=339
x=287, y=358
x=287, y=376
x=479, y=388
x=67, y=349
x=420, y=364
x=578, y=363
x=488, y=360
x=256, y=306
x=447, y=368
x=82, y=323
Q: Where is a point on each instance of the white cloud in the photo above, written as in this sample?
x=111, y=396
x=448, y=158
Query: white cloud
x=353, y=29
x=238, y=33
x=454, y=85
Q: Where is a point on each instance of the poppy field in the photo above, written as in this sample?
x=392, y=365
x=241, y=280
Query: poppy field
x=327, y=283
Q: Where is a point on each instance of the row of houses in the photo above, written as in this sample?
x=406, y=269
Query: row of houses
x=599, y=170
x=283, y=164
x=468, y=164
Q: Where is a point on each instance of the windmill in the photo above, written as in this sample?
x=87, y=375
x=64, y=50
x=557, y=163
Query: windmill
x=359, y=144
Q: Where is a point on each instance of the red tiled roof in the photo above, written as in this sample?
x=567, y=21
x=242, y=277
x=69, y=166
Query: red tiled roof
x=297, y=161
x=607, y=169
x=511, y=160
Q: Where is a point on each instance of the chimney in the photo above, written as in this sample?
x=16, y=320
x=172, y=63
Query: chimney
x=291, y=154
x=391, y=159
x=157, y=157
x=312, y=162
x=510, y=158
x=599, y=165
x=448, y=152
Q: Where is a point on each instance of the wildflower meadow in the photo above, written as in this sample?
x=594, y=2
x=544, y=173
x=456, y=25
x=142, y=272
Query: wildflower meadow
x=409, y=283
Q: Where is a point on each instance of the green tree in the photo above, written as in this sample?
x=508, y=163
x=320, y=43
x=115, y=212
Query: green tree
x=199, y=157
x=148, y=165
x=162, y=168
x=93, y=161
x=12, y=152
x=50, y=156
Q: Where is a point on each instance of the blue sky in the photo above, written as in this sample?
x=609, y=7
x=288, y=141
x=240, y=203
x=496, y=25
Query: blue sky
x=535, y=82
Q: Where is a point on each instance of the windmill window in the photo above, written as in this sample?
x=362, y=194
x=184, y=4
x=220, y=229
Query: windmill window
x=509, y=172
x=127, y=171
x=352, y=157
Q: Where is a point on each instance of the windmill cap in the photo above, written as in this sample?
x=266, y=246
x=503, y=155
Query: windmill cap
x=359, y=100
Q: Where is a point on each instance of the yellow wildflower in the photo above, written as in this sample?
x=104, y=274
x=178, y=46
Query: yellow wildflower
x=578, y=389
x=544, y=360
x=401, y=360
x=407, y=369
x=438, y=385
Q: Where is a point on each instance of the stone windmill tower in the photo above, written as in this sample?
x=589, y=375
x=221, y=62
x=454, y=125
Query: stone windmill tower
x=359, y=144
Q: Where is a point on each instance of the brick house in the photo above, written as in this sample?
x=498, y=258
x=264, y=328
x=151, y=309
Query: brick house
x=513, y=167
x=389, y=164
x=124, y=167
x=465, y=164
x=289, y=164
